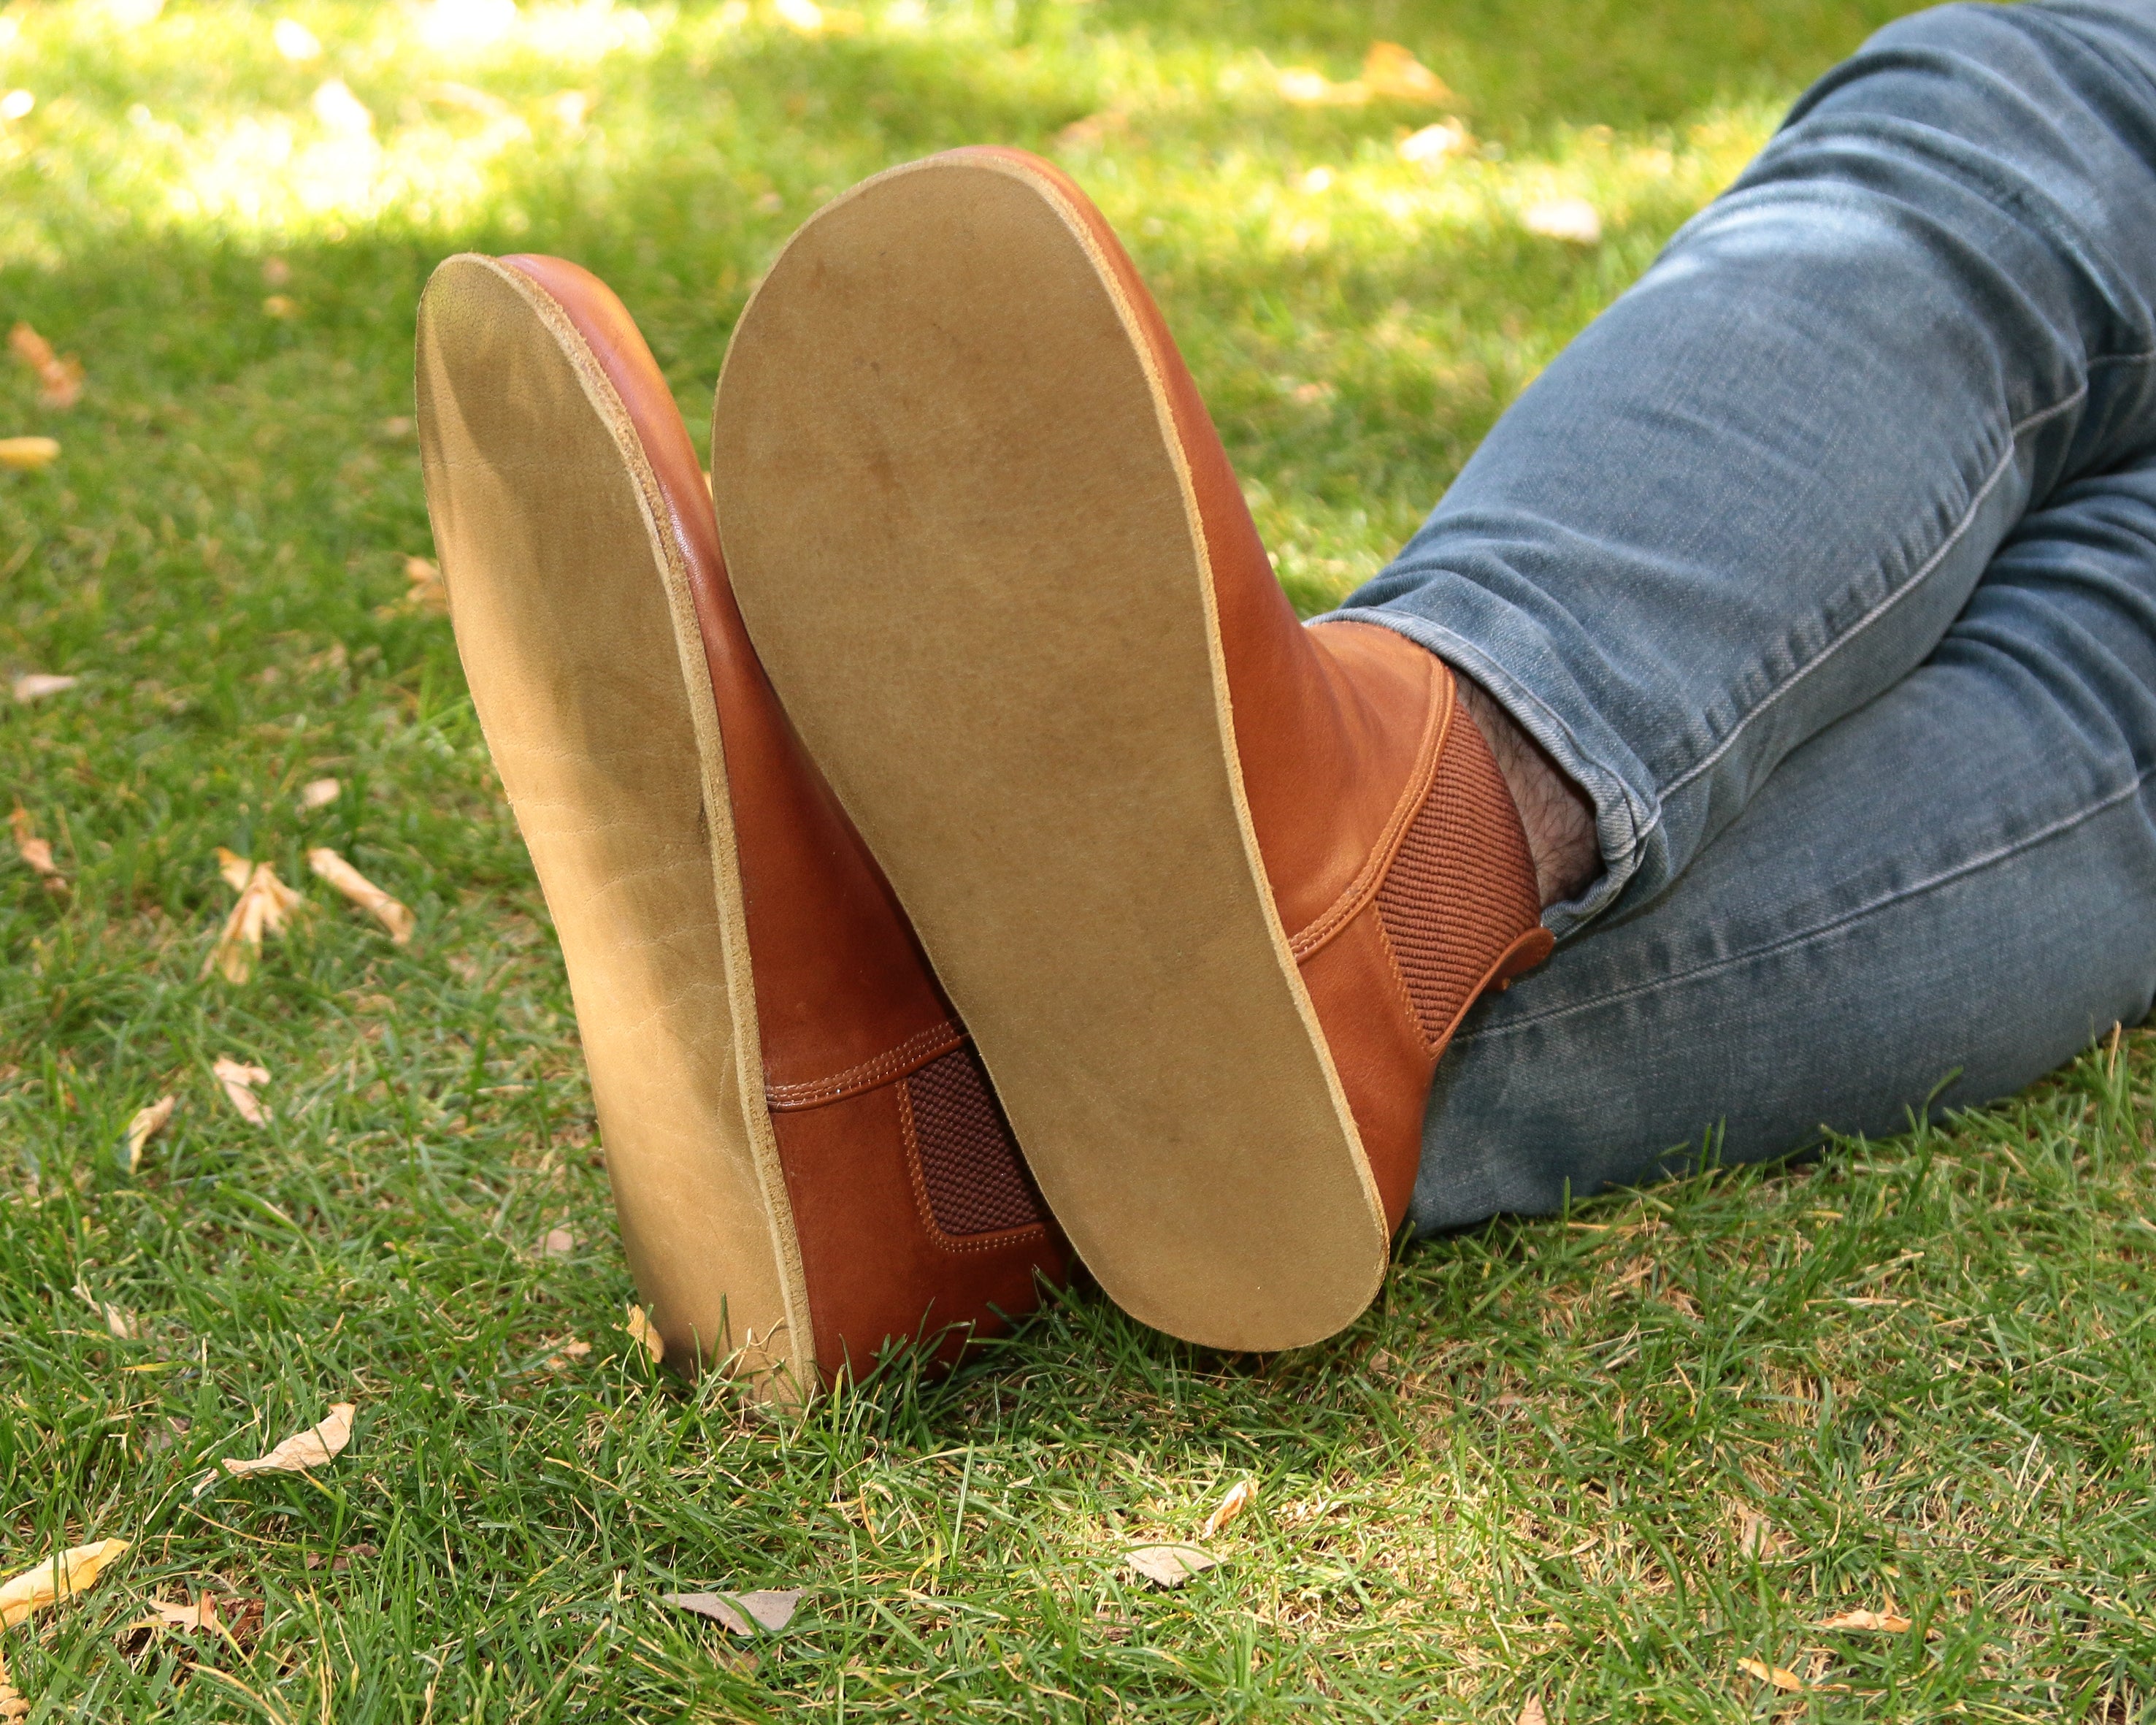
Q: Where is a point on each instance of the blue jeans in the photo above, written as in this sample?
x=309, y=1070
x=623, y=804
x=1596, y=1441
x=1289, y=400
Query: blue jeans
x=1825, y=562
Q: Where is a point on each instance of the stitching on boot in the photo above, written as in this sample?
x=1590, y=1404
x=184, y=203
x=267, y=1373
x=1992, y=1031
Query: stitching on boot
x=1437, y=728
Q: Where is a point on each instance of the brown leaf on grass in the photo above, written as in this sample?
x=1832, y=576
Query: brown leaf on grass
x=26, y=453
x=239, y=1081
x=1309, y=89
x=641, y=1332
x=1779, y=1675
x=1094, y=130
x=342, y=1560
x=742, y=1613
x=200, y=1615
x=1885, y=1623
x=60, y=1575
x=145, y=1125
x=1531, y=1711
x=36, y=685
x=555, y=1243
x=266, y=905
x=362, y=892
x=319, y=793
x=425, y=588
x=1755, y=1534
x=1169, y=1565
x=569, y=1351
x=1240, y=1496
x=60, y=380
x=1391, y=73
x=37, y=852
x=315, y=1447
x=119, y=1321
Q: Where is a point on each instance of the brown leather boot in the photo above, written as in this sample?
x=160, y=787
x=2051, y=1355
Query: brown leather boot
x=807, y=1159
x=1212, y=890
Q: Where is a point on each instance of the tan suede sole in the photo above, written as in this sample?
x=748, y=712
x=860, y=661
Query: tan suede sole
x=963, y=535
x=579, y=639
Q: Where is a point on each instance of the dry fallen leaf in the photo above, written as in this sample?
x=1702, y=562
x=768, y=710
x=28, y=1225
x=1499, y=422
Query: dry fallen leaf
x=425, y=590
x=36, y=685
x=556, y=1242
x=37, y=852
x=1240, y=1496
x=60, y=380
x=1778, y=1675
x=1170, y=1565
x=1389, y=74
x=1531, y=1711
x=1433, y=143
x=1573, y=218
x=1308, y=88
x=1093, y=130
x=145, y=1126
x=1884, y=1622
x=569, y=1351
x=742, y=1613
x=265, y=905
x=1755, y=1534
x=362, y=892
x=60, y=1575
x=319, y=793
x=312, y=1448
x=200, y=1615
x=239, y=1081
x=641, y=1330
x=1392, y=73
x=28, y=452
x=118, y=1320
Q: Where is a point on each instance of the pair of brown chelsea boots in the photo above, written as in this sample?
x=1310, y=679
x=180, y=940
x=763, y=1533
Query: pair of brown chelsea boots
x=976, y=864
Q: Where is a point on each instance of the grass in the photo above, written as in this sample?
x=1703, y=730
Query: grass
x=1593, y=1462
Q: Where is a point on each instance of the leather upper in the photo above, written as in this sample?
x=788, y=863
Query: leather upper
x=847, y=1006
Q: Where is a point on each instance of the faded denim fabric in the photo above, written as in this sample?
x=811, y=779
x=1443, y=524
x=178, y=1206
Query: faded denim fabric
x=1825, y=561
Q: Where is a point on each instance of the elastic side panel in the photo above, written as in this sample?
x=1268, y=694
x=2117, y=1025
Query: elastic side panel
x=977, y=1183
x=1462, y=886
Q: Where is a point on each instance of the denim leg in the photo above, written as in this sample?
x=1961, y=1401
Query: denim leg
x=1956, y=882
x=1755, y=493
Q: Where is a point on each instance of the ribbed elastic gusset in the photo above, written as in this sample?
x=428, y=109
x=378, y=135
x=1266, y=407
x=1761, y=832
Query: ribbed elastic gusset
x=976, y=1180
x=1462, y=886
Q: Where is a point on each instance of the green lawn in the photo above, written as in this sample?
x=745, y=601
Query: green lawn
x=1587, y=1465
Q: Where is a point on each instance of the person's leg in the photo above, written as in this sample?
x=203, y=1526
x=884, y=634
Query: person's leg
x=1755, y=493
x=1957, y=883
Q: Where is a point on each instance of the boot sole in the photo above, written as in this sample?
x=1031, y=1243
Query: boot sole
x=579, y=639
x=964, y=537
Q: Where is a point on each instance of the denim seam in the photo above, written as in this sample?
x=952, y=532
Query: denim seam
x=2006, y=463
x=2065, y=824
